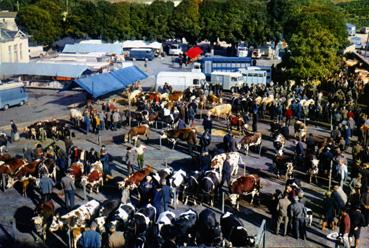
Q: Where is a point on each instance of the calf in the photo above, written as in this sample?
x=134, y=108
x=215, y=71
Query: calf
x=165, y=219
x=135, y=132
x=136, y=178
x=44, y=215
x=192, y=187
x=234, y=231
x=122, y=215
x=244, y=185
x=251, y=139
x=185, y=225
x=106, y=213
x=223, y=110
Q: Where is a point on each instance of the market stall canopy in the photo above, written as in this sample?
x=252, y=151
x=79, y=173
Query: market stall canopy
x=107, y=48
x=43, y=69
x=194, y=52
x=106, y=83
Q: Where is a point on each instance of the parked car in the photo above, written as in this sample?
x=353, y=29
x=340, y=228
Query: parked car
x=12, y=94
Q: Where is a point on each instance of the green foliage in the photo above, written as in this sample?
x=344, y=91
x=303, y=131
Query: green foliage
x=185, y=21
x=357, y=12
x=159, y=14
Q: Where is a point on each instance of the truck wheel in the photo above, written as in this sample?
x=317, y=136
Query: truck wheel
x=6, y=106
x=21, y=103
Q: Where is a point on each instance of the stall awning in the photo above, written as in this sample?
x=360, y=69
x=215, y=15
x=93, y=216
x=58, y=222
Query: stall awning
x=129, y=75
x=43, y=69
x=107, y=83
x=107, y=48
x=194, y=52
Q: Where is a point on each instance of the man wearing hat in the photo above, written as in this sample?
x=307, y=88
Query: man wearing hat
x=161, y=197
x=67, y=183
x=90, y=238
x=207, y=123
x=298, y=214
x=116, y=239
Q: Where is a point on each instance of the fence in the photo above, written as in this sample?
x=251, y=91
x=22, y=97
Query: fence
x=260, y=237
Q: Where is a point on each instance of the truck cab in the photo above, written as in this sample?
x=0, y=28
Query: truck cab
x=232, y=81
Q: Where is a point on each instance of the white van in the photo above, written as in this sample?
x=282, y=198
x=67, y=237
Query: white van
x=175, y=49
x=179, y=80
x=232, y=81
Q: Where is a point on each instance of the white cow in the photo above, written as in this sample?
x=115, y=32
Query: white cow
x=234, y=160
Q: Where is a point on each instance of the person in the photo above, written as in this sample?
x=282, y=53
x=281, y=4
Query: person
x=145, y=190
x=342, y=172
x=299, y=151
x=355, y=183
x=227, y=141
x=298, y=214
x=46, y=187
x=285, y=131
x=116, y=120
x=191, y=115
x=116, y=239
x=205, y=141
x=328, y=209
x=87, y=122
x=205, y=161
x=140, y=155
x=255, y=122
x=326, y=159
x=226, y=172
x=27, y=154
x=14, y=131
x=339, y=197
x=282, y=212
x=102, y=120
x=105, y=160
x=207, y=123
x=67, y=184
x=344, y=228
x=365, y=205
x=90, y=237
x=233, y=144
x=357, y=221
x=310, y=143
x=181, y=124
x=161, y=197
x=129, y=160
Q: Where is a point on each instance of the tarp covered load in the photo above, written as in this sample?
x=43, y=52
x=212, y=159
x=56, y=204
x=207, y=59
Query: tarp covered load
x=106, y=83
x=194, y=52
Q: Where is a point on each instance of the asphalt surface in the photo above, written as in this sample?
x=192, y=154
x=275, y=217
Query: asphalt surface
x=16, y=210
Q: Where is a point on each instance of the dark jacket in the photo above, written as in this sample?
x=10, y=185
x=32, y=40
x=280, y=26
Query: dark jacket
x=227, y=169
x=207, y=123
x=161, y=199
x=298, y=210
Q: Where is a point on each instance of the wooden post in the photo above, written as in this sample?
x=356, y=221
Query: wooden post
x=175, y=198
x=84, y=192
x=223, y=202
x=330, y=176
x=129, y=110
x=3, y=182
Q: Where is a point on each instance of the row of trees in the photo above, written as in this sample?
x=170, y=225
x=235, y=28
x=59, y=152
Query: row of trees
x=314, y=29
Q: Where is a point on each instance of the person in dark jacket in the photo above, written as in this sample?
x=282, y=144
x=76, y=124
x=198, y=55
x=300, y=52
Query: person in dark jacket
x=181, y=124
x=105, y=160
x=205, y=161
x=285, y=131
x=298, y=214
x=145, y=190
x=90, y=237
x=207, y=123
x=344, y=230
x=226, y=172
x=357, y=221
x=326, y=159
x=14, y=131
x=233, y=144
x=205, y=141
x=310, y=143
x=46, y=187
x=67, y=183
x=191, y=115
x=161, y=198
x=227, y=142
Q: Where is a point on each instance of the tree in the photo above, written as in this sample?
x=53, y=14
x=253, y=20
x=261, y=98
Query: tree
x=159, y=14
x=312, y=52
x=37, y=22
x=138, y=20
x=211, y=19
x=186, y=20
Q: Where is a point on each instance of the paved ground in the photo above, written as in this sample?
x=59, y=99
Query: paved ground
x=16, y=211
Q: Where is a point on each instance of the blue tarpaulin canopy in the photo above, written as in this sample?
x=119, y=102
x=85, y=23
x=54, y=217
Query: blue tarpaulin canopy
x=106, y=83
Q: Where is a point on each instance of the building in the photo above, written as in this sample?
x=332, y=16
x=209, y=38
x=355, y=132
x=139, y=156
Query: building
x=13, y=46
x=351, y=29
x=7, y=20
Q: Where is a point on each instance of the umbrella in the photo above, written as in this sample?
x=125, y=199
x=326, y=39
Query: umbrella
x=194, y=52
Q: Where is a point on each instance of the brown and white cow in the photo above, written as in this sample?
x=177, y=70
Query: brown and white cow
x=94, y=179
x=244, y=185
x=135, y=132
x=223, y=110
x=250, y=139
x=218, y=160
x=176, y=96
x=186, y=134
x=300, y=130
x=44, y=212
x=136, y=178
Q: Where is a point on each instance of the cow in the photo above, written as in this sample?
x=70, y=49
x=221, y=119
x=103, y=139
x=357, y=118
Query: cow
x=48, y=167
x=136, y=178
x=141, y=227
x=76, y=170
x=237, y=121
x=300, y=130
x=135, y=132
x=250, y=139
x=176, y=96
x=76, y=117
x=176, y=181
x=223, y=110
x=9, y=166
x=185, y=134
x=234, y=159
x=280, y=163
x=94, y=179
x=106, y=213
x=244, y=185
x=209, y=184
x=279, y=143
x=234, y=231
x=164, y=219
x=192, y=187
x=122, y=215
x=3, y=143
x=313, y=171
x=44, y=212
x=185, y=224
x=133, y=95
x=208, y=229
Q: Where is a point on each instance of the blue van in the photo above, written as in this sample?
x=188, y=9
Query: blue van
x=141, y=54
x=12, y=94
